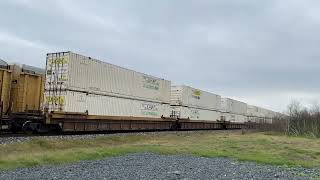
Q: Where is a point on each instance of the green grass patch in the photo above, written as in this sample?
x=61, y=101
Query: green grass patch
x=272, y=149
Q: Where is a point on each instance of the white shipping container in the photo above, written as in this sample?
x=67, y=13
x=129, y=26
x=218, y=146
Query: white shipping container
x=260, y=119
x=70, y=71
x=260, y=112
x=195, y=114
x=191, y=97
x=254, y=111
x=233, y=106
x=238, y=118
x=78, y=102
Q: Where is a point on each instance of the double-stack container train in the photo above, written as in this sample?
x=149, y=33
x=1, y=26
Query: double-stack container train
x=80, y=93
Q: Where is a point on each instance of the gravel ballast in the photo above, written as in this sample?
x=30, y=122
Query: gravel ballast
x=153, y=166
x=23, y=138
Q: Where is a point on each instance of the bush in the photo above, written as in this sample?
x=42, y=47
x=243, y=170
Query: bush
x=303, y=121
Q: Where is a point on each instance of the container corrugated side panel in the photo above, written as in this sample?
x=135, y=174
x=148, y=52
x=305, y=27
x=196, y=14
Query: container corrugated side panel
x=165, y=90
x=191, y=97
x=196, y=114
x=264, y=112
x=252, y=111
x=235, y=117
x=202, y=99
x=27, y=92
x=66, y=101
x=79, y=73
x=239, y=107
x=114, y=106
x=225, y=105
x=259, y=112
x=33, y=92
x=176, y=95
x=71, y=101
x=86, y=74
x=151, y=87
x=233, y=106
x=5, y=87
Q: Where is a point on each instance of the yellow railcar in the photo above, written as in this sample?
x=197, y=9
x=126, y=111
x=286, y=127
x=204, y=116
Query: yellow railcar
x=5, y=87
x=27, y=89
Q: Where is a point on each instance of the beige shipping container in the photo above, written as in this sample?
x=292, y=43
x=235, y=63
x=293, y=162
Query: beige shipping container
x=191, y=97
x=27, y=89
x=70, y=71
x=267, y=113
x=254, y=111
x=93, y=104
x=238, y=118
x=260, y=112
x=195, y=113
x=233, y=106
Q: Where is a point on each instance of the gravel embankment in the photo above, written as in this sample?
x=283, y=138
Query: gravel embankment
x=152, y=166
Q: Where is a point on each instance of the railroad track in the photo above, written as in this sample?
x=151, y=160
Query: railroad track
x=13, y=135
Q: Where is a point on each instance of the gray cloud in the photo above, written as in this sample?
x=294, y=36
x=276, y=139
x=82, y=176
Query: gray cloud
x=261, y=52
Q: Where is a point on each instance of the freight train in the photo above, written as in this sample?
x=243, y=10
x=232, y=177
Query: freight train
x=76, y=93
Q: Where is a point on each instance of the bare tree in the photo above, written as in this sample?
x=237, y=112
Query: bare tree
x=302, y=120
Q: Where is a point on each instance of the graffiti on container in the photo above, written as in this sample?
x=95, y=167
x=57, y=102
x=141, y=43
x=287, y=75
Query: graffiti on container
x=150, y=113
x=150, y=83
x=81, y=99
x=195, y=114
x=149, y=109
x=57, y=75
x=58, y=61
x=146, y=106
x=196, y=94
x=63, y=77
x=58, y=100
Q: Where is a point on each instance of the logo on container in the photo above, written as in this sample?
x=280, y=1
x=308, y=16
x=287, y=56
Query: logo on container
x=196, y=94
x=149, y=109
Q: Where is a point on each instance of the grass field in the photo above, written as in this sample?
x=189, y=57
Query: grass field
x=257, y=147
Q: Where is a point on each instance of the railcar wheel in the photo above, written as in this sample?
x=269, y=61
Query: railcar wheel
x=26, y=128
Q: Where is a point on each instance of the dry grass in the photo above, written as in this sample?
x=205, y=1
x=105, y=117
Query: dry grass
x=258, y=147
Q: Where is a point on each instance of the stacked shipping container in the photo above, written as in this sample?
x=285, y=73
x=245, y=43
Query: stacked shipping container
x=260, y=115
x=76, y=83
x=233, y=110
x=195, y=104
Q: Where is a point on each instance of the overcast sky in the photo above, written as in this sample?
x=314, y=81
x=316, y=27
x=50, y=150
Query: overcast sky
x=265, y=53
